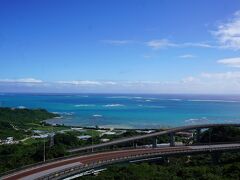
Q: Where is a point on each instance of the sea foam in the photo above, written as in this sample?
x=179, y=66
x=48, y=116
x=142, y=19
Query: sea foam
x=97, y=115
x=113, y=105
x=84, y=105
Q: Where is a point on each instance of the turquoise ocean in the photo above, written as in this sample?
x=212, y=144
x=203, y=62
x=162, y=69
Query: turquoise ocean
x=131, y=111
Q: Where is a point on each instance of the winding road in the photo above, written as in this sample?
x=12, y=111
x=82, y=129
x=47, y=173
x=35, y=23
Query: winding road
x=70, y=166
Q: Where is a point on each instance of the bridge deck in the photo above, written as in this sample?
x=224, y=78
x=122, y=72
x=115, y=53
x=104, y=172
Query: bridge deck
x=168, y=131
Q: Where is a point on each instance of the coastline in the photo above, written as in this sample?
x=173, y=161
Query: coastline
x=100, y=127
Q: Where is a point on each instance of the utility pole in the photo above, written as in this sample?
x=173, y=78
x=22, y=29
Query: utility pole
x=92, y=134
x=52, y=138
x=44, y=156
x=209, y=132
x=92, y=139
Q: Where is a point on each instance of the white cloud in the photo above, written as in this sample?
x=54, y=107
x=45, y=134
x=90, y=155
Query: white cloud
x=117, y=42
x=109, y=83
x=187, y=56
x=201, y=44
x=232, y=62
x=165, y=43
x=143, y=82
x=87, y=83
x=24, y=80
x=160, y=43
x=222, y=76
x=226, y=82
x=222, y=82
x=189, y=79
x=228, y=33
x=80, y=82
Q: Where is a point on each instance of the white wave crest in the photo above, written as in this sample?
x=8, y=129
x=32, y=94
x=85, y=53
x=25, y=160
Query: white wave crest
x=197, y=120
x=175, y=99
x=113, y=105
x=64, y=113
x=21, y=107
x=84, y=105
x=119, y=97
x=97, y=115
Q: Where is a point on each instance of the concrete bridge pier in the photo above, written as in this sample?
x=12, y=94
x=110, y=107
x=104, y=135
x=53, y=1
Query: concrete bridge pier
x=154, y=145
x=172, y=139
x=198, y=133
x=216, y=157
x=166, y=159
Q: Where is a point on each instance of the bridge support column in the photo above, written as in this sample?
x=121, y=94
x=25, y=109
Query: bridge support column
x=154, y=145
x=166, y=160
x=172, y=139
x=216, y=157
x=198, y=133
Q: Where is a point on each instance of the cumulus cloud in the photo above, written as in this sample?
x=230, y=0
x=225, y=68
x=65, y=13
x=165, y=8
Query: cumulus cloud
x=228, y=33
x=232, y=62
x=23, y=80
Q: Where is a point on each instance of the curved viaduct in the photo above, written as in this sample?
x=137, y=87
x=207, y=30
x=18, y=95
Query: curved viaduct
x=68, y=166
x=168, y=131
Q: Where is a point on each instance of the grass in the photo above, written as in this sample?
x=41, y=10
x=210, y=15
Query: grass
x=50, y=128
x=93, y=133
x=89, y=132
x=32, y=141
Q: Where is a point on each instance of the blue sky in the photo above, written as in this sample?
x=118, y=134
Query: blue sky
x=134, y=46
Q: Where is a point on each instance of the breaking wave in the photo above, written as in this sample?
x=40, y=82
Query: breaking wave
x=113, y=105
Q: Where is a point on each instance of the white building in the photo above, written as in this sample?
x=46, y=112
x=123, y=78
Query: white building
x=105, y=140
x=86, y=137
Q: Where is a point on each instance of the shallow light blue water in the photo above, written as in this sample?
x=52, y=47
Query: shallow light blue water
x=131, y=111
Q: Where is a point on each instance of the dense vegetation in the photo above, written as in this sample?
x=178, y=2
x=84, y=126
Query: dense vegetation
x=21, y=117
x=220, y=134
x=199, y=167
x=18, y=155
x=15, y=122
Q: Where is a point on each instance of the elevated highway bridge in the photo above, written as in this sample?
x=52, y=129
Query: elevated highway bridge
x=171, y=132
x=69, y=166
